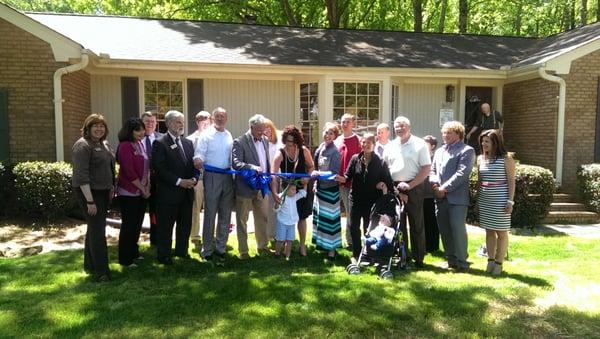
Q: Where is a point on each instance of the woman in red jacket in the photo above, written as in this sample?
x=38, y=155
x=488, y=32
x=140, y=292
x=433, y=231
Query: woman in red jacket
x=133, y=188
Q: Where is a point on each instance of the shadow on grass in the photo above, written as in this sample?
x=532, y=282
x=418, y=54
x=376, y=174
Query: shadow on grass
x=48, y=295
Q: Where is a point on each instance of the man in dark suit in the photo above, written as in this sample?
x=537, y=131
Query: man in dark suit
x=150, y=123
x=251, y=151
x=172, y=160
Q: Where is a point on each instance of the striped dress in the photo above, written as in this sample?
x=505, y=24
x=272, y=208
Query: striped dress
x=327, y=228
x=493, y=194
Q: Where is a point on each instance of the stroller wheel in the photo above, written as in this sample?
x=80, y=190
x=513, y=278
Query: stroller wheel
x=353, y=269
x=386, y=275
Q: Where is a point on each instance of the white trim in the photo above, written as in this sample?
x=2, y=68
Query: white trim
x=560, y=128
x=62, y=47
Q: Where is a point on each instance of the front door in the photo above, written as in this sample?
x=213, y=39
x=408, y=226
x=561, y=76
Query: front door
x=475, y=96
x=4, y=139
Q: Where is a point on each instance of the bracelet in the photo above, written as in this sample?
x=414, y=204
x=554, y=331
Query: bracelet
x=91, y=203
x=511, y=202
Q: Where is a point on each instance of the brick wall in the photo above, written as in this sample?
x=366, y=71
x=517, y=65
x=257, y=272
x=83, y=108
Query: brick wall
x=530, y=116
x=76, y=107
x=27, y=68
x=580, y=114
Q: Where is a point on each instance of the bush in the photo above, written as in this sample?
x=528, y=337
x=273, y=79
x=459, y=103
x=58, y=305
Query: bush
x=533, y=196
x=588, y=181
x=43, y=190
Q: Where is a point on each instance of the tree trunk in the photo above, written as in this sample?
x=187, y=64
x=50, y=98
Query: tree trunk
x=598, y=11
x=583, y=12
x=289, y=13
x=442, y=22
x=418, y=14
x=335, y=11
x=463, y=14
x=518, y=19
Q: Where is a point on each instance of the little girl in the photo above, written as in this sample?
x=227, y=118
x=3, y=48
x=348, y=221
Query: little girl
x=287, y=217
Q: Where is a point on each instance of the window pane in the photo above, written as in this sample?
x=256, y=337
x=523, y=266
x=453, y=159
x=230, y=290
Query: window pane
x=314, y=88
x=304, y=114
x=150, y=86
x=361, y=101
x=303, y=89
x=176, y=87
x=362, y=88
x=338, y=88
x=162, y=87
x=337, y=113
x=350, y=88
x=374, y=89
x=362, y=113
x=150, y=99
x=303, y=102
x=373, y=102
x=373, y=114
x=177, y=100
x=338, y=101
x=350, y=101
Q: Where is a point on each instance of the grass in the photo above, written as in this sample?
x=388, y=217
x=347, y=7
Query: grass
x=551, y=289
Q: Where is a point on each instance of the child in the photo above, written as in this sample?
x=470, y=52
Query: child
x=382, y=234
x=287, y=217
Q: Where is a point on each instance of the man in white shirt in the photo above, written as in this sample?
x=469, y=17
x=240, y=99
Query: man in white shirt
x=383, y=138
x=408, y=160
x=202, y=123
x=251, y=151
x=214, y=149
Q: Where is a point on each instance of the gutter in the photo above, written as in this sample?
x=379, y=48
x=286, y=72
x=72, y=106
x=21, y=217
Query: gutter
x=58, y=101
x=560, y=131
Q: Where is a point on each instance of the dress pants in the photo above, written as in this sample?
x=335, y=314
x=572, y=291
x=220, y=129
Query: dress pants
x=345, y=195
x=168, y=214
x=219, y=200
x=132, y=217
x=198, y=201
x=357, y=215
x=95, y=252
x=432, y=234
x=259, y=206
x=451, y=221
x=414, y=210
x=152, y=210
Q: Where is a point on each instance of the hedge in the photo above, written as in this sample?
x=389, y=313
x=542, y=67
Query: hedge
x=588, y=181
x=43, y=189
x=533, y=196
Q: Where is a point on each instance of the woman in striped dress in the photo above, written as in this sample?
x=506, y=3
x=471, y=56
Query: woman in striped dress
x=327, y=229
x=496, y=182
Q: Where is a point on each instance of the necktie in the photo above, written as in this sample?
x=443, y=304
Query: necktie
x=380, y=150
x=181, y=151
x=148, y=146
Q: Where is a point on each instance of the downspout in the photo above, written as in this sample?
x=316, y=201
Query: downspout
x=58, y=102
x=560, y=131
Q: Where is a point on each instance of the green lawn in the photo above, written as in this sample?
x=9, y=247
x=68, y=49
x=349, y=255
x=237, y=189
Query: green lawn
x=551, y=288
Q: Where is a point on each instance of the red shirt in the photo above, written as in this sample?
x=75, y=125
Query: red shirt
x=347, y=147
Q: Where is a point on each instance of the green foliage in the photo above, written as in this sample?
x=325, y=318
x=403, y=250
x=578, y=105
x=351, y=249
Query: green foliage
x=534, y=187
x=588, y=181
x=498, y=17
x=42, y=189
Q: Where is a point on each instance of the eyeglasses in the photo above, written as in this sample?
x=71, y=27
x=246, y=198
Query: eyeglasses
x=290, y=140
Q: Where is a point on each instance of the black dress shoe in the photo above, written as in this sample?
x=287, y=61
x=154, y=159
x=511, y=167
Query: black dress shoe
x=165, y=261
x=183, y=256
x=103, y=278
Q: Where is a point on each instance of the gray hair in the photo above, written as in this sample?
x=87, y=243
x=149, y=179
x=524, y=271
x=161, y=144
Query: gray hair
x=402, y=119
x=202, y=114
x=218, y=109
x=257, y=119
x=383, y=125
x=172, y=115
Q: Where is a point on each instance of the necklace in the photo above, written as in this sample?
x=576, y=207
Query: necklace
x=290, y=159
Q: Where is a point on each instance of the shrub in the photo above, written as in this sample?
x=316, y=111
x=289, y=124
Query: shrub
x=534, y=187
x=42, y=189
x=588, y=181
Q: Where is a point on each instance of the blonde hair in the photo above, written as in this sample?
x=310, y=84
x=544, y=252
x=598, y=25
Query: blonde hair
x=454, y=126
x=271, y=126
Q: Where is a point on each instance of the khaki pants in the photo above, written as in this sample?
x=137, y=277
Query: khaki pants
x=198, y=202
x=259, y=207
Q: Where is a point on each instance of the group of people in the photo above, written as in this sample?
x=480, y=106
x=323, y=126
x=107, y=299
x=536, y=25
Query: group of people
x=175, y=177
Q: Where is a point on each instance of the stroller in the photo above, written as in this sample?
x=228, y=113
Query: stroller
x=391, y=253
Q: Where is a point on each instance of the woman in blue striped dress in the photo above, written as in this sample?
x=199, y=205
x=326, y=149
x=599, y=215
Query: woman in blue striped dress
x=327, y=231
x=496, y=182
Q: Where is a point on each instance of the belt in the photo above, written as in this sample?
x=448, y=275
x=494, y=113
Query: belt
x=493, y=183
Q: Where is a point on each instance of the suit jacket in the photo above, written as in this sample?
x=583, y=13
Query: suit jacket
x=169, y=166
x=244, y=156
x=451, y=168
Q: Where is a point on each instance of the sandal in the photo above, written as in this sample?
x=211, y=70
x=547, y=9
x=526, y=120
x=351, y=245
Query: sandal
x=303, y=251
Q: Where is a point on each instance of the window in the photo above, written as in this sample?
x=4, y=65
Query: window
x=309, y=114
x=358, y=98
x=161, y=97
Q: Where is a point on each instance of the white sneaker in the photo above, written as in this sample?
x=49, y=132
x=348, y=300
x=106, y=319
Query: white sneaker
x=490, y=266
x=497, y=269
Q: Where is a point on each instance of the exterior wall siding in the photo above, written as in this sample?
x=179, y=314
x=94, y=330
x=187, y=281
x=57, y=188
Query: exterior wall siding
x=243, y=98
x=421, y=104
x=106, y=100
x=530, y=121
x=26, y=69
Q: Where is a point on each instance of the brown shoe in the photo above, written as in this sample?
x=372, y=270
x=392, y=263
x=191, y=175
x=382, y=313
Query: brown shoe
x=244, y=256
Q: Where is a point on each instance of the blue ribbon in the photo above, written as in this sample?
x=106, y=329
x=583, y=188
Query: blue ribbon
x=261, y=181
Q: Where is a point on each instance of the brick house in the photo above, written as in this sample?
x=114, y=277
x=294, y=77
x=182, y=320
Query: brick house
x=56, y=68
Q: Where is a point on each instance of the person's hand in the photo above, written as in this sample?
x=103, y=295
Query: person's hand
x=198, y=164
x=187, y=183
x=304, y=181
x=92, y=209
x=277, y=199
x=403, y=197
x=258, y=169
x=314, y=174
x=403, y=187
x=508, y=208
x=439, y=193
x=340, y=179
x=382, y=187
x=145, y=192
